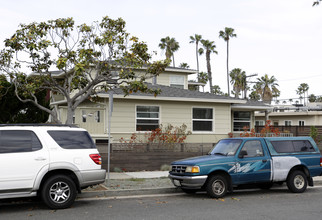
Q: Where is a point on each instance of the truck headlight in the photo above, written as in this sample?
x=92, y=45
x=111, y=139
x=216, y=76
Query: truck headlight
x=192, y=169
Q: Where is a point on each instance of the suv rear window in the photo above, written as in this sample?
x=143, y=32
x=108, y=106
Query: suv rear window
x=72, y=139
x=292, y=146
x=15, y=141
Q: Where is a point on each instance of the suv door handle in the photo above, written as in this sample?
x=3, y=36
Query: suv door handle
x=40, y=159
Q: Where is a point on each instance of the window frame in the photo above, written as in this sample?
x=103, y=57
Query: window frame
x=300, y=124
x=234, y=120
x=260, y=123
x=136, y=116
x=212, y=120
x=290, y=123
x=176, y=85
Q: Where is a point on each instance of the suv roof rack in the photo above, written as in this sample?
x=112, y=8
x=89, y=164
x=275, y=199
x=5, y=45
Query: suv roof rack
x=40, y=124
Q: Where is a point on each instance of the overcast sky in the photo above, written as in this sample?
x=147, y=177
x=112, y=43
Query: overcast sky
x=275, y=37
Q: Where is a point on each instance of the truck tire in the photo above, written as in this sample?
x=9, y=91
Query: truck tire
x=297, y=182
x=59, y=192
x=217, y=186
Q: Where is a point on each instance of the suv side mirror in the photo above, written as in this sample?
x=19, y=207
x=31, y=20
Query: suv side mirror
x=242, y=154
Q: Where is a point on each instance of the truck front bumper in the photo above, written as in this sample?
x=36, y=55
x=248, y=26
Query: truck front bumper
x=188, y=181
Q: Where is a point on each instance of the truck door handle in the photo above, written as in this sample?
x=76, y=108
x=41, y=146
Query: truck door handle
x=264, y=161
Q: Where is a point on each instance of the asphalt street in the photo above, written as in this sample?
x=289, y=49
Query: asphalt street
x=277, y=203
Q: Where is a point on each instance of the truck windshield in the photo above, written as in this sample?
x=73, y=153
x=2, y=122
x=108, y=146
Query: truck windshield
x=226, y=147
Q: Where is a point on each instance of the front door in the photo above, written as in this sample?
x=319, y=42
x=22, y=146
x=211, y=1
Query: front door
x=253, y=163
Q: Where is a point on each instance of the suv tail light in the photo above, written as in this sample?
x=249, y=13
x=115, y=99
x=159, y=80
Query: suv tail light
x=321, y=161
x=96, y=158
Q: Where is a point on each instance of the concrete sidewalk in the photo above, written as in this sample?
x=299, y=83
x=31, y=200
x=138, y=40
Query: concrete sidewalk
x=138, y=175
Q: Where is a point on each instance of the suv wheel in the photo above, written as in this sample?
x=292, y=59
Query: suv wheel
x=297, y=182
x=59, y=192
x=217, y=186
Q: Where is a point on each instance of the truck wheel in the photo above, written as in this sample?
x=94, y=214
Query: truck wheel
x=59, y=192
x=217, y=186
x=297, y=182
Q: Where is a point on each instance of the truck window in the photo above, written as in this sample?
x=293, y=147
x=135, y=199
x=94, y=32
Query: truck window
x=292, y=146
x=303, y=146
x=283, y=146
x=253, y=149
x=226, y=147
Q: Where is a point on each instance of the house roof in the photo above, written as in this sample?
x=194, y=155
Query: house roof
x=174, y=94
x=251, y=104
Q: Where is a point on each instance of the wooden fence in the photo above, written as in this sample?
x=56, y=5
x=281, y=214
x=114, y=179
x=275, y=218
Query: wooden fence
x=138, y=157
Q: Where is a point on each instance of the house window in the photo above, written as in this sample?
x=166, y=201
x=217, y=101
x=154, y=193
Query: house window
x=241, y=120
x=147, y=118
x=288, y=123
x=301, y=123
x=260, y=123
x=202, y=119
x=177, y=81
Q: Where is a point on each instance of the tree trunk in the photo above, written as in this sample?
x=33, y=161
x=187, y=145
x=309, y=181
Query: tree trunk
x=209, y=70
x=197, y=59
x=70, y=115
x=228, y=69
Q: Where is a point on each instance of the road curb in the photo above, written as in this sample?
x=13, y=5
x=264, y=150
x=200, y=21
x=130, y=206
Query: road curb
x=133, y=192
x=127, y=192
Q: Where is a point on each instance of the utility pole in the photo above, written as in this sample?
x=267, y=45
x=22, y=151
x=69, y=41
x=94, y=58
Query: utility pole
x=245, y=86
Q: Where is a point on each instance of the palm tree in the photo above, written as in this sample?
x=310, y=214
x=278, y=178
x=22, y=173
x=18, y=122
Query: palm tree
x=238, y=79
x=266, y=87
x=290, y=100
x=184, y=65
x=196, y=39
x=312, y=98
x=226, y=35
x=170, y=45
x=302, y=89
x=209, y=46
x=216, y=90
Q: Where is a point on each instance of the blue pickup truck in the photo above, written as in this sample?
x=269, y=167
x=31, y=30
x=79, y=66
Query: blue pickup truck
x=240, y=162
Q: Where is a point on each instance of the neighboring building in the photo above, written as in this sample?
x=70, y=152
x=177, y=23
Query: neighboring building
x=295, y=115
x=209, y=117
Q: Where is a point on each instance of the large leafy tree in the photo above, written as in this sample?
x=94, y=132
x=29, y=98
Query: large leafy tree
x=227, y=34
x=208, y=48
x=196, y=40
x=90, y=58
x=303, y=90
x=14, y=111
x=238, y=79
x=266, y=87
x=170, y=45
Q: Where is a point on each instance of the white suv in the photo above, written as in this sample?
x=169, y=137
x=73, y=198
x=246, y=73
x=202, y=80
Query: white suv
x=54, y=162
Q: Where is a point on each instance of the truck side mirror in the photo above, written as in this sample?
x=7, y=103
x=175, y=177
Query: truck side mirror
x=242, y=154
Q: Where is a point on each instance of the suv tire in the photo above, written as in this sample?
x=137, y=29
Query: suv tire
x=59, y=192
x=297, y=181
